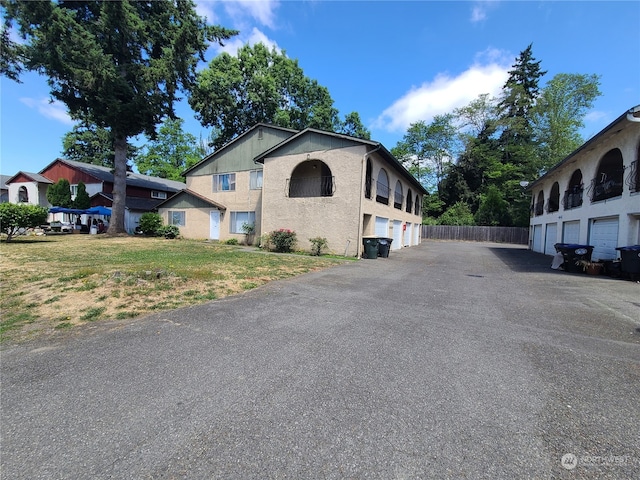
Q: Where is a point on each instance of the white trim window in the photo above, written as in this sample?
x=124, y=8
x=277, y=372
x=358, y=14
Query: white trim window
x=176, y=217
x=255, y=179
x=74, y=191
x=158, y=195
x=240, y=218
x=224, y=182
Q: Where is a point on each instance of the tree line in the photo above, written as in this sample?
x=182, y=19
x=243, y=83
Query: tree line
x=477, y=160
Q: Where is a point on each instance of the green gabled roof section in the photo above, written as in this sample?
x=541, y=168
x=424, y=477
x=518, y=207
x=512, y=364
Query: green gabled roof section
x=313, y=140
x=238, y=154
x=190, y=199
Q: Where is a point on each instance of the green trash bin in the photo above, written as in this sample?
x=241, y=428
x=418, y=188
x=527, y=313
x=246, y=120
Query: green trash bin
x=370, y=247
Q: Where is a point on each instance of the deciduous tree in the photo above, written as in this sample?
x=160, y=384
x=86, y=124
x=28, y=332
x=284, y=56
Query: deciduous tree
x=14, y=217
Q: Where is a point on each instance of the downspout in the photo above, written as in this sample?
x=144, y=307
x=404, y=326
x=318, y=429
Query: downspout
x=630, y=114
x=362, y=184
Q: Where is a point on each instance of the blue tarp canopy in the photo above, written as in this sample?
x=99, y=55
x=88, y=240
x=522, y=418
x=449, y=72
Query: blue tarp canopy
x=89, y=211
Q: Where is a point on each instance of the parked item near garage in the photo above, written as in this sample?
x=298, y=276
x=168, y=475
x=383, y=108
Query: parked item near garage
x=573, y=253
x=630, y=256
x=384, y=245
x=370, y=247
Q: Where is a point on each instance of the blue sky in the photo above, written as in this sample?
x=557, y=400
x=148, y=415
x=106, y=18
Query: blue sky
x=393, y=62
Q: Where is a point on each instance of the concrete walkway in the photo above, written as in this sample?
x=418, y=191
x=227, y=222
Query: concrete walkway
x=448, y=360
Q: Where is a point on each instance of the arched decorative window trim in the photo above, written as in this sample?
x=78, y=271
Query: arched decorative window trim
x=398, y=196
x=573, y=193
x=608, y=182
x=311, y=178
x=553, y=204
x=368, y=179
x=539, y=206
x=23, y=195
x=409, y=206
x=382, y=187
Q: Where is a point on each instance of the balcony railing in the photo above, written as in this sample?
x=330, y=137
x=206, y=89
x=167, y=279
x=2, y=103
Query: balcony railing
x=538, y=209
x=299, y=187
x=605, y=187
x=633, y=179
x=398, y=200
x=572, y=198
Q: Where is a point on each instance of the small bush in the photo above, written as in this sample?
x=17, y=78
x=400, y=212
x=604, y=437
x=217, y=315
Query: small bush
x=317, y=244
x=231, y=241
x=150, y=223
x=168, y=231
x=282, y=240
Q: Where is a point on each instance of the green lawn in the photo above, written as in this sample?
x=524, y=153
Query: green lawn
x=58, y=282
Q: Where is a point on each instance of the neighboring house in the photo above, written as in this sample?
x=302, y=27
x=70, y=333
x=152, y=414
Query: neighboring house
x=143, y=193
x=592, y=197
x=4, y=188
x=316, y=183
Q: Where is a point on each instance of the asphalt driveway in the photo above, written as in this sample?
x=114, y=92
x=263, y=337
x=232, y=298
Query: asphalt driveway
x=448, y=360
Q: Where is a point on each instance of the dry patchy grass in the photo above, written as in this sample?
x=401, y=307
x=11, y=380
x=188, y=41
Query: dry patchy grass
x=58, y=282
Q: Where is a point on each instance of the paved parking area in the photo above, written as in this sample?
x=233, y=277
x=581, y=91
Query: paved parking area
x=447, y=360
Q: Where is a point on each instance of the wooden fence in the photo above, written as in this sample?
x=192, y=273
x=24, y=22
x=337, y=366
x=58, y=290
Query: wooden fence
x=518, y=235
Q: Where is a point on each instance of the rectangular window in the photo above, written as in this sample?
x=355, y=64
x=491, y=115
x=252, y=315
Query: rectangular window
x=158, y=195
x=74, y=191
x=176, y=218
x=225, y=182
x=255, y=179
x=240, y=218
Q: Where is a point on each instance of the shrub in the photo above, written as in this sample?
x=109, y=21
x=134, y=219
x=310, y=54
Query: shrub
x=150, y=223
x=282, y=240
x=231, y=241
x=317, y=244
x=457, y=214
x=168, y=231
x=17, y=216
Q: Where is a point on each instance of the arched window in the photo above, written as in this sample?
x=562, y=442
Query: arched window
x=416, y=208
x=573, y=193
x=23, y=195
x=368, y=180
x=311, y=178
x=398, y=197
x=608, y=180
x=409, y=201
x=382, y=187
x=539, y=207
x=554, y=198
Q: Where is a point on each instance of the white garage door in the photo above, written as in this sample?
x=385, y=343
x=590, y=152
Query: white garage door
x=551, y=239
x=571, y=232
x=382, y=227
x=397, y=235
x=603, y=235
x=407, y=235
x=537, y=239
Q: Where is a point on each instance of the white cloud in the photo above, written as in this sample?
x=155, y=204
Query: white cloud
x=480, y=9
x=205, y=8
x=261, y=11
x=445, y=93
x=232, y=45
x=45, y=107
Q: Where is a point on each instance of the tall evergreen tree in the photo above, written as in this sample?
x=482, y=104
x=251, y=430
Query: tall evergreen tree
x=59, y=194
x=118, y=65
x=92, y=144
x=82, y=200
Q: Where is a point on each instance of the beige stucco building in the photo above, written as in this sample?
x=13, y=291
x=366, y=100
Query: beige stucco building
x=316, y=183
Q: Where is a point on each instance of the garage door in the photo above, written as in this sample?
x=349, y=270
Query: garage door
x=382, y=227
x=397, y=235
x=571, y=232
x=537, y=239
x=603, y=235
x=551, y=239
